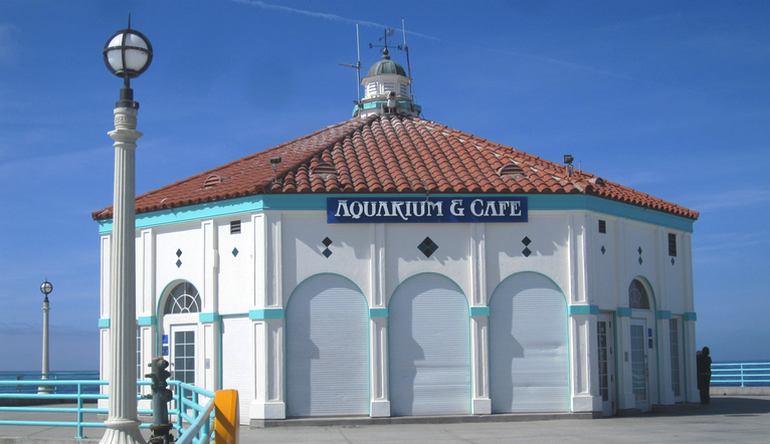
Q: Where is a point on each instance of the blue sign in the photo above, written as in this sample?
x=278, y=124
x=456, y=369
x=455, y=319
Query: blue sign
x=351, y=210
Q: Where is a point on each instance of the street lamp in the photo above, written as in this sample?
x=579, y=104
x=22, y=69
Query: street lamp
x=127, y=54
x=46, y=288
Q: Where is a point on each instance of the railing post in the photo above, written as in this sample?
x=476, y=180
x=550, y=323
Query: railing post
x=742, y=382
x=79, y=414
x=179, y=406
x=194, y=412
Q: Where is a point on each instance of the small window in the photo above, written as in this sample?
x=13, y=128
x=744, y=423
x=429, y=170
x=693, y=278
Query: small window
x=672, y=244
x=602, y=226
x=235, y=227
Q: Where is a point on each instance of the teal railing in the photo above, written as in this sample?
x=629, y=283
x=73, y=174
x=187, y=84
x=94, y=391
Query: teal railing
x=192, y=421
x=740, y=374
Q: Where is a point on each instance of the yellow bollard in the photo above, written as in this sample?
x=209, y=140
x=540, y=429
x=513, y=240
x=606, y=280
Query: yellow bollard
x=226, y=417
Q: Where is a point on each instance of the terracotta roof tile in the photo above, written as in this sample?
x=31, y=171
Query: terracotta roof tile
x=389, y=154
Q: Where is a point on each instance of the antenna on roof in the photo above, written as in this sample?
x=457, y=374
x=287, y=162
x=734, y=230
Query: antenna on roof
x=357, y=67
x=405, y=48
x=384, y=40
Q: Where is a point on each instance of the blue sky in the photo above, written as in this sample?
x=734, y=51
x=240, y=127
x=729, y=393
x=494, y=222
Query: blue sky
x=672, y=98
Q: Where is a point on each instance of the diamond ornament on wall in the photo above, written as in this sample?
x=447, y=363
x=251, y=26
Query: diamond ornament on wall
x=427, y=247
x=178, y=253
x=526, y=241
x=178, y=263
x=326, y=242
x=235, y=252
x=603, y=250
x=327, y=252
x=526, y=252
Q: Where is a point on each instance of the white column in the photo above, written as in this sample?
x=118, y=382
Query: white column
x=122, y=425
x=44, y=361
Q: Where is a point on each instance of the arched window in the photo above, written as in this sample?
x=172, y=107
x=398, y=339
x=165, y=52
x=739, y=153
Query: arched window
x=184, y=298
x=637, y=295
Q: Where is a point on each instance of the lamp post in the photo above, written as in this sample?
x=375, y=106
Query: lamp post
x=46, y=288
x=127, y=54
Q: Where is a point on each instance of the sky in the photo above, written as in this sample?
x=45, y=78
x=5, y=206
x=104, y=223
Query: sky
x=671, y=98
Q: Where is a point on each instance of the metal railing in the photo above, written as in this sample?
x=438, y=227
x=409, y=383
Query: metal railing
x=192, y=421
x=740, y=374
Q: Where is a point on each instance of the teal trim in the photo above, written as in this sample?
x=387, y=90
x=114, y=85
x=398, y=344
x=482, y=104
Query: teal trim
x=318, y=202
x=266, y=313
x=208, y=317
x=690, y=316
x=663, y=314
x=623, y=312
x=378, y=313
x=578, y=310
x=104, y=323
x=192, y=212
x=480, y=312
x=145, y=321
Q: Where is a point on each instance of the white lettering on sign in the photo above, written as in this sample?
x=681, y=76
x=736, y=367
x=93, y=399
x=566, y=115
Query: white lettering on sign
x=464, y=209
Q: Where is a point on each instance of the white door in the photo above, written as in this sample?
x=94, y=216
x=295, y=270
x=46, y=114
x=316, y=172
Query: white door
x=605, y=333
x=238, y=361
x=529, y=363
x=640, y=370
x=327, y=349
x=429, y=348
x=183, y=354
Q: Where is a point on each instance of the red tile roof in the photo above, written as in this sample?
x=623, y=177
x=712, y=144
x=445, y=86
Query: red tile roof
x=390, y=154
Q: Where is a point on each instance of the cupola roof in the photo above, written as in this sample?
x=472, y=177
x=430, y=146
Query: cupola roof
x=386, y=66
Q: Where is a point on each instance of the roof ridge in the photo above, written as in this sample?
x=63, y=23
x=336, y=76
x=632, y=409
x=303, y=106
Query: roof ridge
x=325, y=146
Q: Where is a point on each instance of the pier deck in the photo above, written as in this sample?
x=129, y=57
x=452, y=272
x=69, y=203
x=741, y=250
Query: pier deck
x=744, y=419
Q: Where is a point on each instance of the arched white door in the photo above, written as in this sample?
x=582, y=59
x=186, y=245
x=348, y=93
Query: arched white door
x=529, y=361
x=327, y=364
x=429, y=348
x=179, y=340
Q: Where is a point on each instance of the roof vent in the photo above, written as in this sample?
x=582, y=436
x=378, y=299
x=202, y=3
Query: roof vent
x=324, y=169
x=511, y=170
x=596, y=181
x=212, y=181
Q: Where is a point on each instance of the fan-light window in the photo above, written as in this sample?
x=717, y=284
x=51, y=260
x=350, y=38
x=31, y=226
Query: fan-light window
x=184, y=298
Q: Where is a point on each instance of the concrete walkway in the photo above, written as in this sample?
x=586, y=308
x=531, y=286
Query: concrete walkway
x=725, y=420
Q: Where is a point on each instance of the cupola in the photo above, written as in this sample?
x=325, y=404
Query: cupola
x=386, y=90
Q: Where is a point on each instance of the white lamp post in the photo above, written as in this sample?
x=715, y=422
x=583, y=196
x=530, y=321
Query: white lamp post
x=127, y=54
x=46, y=288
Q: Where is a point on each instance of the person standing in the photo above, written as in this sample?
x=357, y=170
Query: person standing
x=703, y=363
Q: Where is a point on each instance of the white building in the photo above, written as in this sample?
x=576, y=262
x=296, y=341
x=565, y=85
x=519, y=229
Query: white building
x=390, y=265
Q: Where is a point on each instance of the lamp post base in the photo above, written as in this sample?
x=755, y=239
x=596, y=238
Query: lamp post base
x=122, y=431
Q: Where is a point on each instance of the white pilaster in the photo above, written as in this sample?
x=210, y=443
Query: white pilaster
x=482, y=403
x=378, y=325
x=380, y=399
x=585, y=364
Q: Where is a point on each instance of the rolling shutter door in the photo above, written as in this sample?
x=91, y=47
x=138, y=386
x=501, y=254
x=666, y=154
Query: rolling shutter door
x=529, y=364
x=429, y=348
x=327, y=350
x=237, y=362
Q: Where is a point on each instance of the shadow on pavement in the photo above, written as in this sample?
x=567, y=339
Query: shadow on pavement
x=723, y=405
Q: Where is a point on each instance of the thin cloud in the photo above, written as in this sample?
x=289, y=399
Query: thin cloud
x=340, y=19
x=731, y=199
